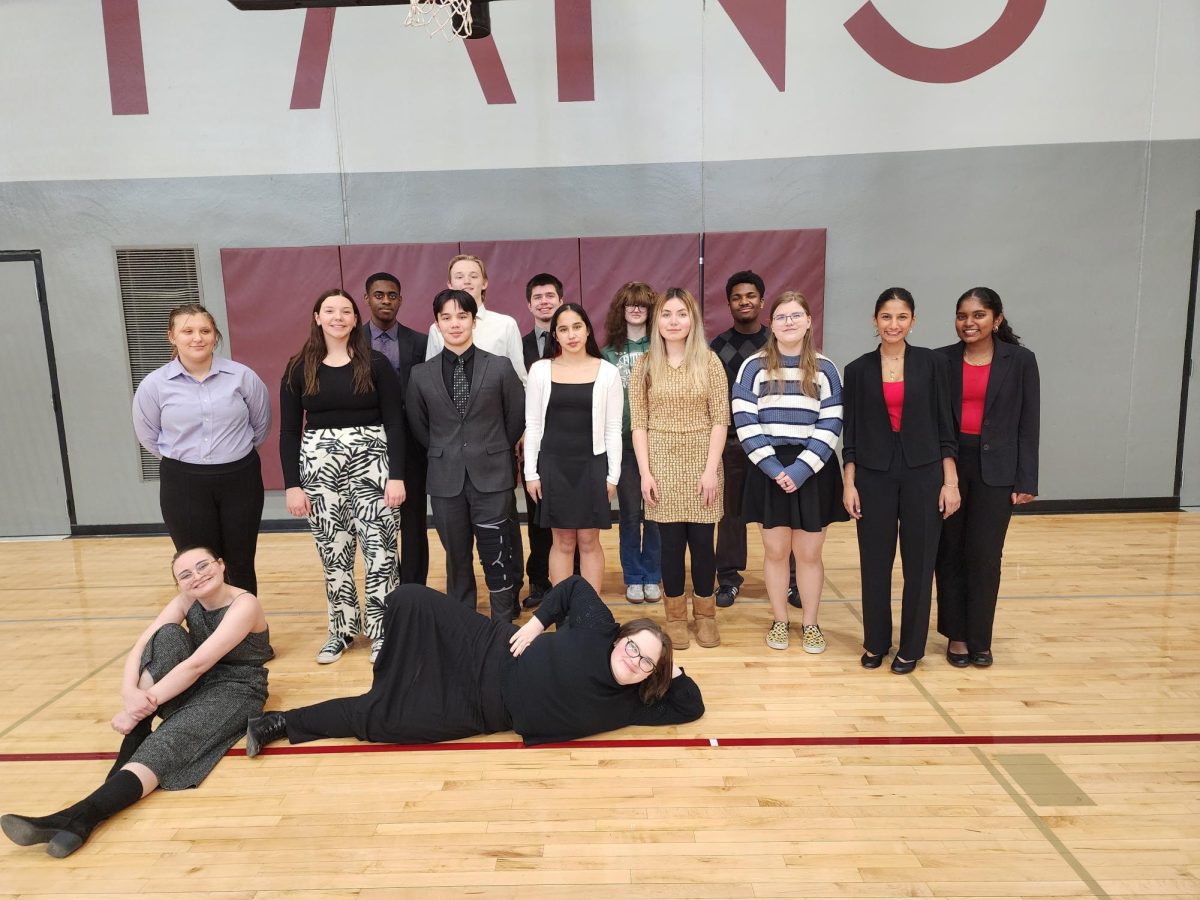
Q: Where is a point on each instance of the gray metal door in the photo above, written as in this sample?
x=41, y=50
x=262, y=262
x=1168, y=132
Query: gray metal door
x=1189, y=444
x=33, y=478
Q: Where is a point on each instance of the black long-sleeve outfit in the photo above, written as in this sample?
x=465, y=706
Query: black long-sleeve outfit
x=445, y=672
x=899, y=478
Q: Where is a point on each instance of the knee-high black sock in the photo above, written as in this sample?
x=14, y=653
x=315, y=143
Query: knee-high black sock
x=129, y=745
x=67, y=830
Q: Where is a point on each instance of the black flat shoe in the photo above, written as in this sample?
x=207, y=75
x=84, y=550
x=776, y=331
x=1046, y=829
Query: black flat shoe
x=867, y=661
x=900, y=667
x=981, y=658
x=958, y=660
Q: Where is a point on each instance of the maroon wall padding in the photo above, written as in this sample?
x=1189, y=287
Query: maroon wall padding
x=660, y=260
x=787, y=261
x=421, y=269
x=510, y=265
x=269, y=296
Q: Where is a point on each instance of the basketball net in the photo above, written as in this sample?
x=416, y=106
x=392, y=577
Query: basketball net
x=449, y=18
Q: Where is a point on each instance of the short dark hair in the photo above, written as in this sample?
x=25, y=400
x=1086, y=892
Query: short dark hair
x=744, y=277
x=381, y=276
x=540, y=280
x=464, y=300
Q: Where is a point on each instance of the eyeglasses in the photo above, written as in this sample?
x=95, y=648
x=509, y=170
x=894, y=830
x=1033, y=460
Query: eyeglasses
x=646, y=664
x=187, y=574
x=788, y=318
x=637, y=306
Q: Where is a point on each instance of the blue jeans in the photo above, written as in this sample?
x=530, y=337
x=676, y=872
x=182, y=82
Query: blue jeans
x=641, y=549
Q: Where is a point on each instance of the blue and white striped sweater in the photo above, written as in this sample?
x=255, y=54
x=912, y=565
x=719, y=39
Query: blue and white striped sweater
x=766, y=421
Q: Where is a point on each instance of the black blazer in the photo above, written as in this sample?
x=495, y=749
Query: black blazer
x=928, y=431
x=479, y=444
x=411, y=345
x=1008, y=448
x=529, y=345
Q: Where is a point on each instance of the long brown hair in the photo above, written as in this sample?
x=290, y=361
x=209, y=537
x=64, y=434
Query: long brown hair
x=656, y=686
x=615, y=327
x=191, y=309
x=773, y=358
x=314, y=351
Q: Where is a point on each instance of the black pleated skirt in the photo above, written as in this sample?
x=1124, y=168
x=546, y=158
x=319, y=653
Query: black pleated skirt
x=817, y=503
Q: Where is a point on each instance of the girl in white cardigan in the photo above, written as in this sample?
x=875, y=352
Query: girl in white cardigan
x=573, y=409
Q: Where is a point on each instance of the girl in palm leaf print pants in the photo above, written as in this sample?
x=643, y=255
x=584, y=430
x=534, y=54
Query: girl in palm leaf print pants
x=344, y=472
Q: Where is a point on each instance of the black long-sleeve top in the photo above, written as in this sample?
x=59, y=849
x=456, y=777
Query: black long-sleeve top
x=562, y=687
x=335, y=405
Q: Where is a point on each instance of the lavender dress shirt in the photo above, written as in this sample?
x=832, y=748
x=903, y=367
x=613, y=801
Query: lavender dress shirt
x=217, y=420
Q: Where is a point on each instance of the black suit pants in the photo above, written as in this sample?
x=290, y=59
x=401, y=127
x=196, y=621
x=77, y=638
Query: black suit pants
x=219, y=507
x=968, y=561
x=414, y=524
x=483, y=518
x=907, y=497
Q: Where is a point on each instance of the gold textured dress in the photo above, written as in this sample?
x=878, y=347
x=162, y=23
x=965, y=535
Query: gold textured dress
x=678, y=423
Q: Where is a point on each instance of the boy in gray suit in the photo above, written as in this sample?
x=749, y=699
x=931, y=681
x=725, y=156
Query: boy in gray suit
x=468, y=407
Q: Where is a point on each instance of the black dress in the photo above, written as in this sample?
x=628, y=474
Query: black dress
x=574, y=492
x=445, y=673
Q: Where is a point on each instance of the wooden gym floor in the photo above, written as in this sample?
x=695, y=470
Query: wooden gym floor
x=1069, y=769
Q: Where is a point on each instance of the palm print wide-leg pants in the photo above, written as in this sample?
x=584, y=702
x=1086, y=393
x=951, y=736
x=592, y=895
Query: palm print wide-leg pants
x=343, y=472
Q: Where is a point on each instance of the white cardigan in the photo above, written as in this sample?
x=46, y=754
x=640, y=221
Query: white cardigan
x=608, y=403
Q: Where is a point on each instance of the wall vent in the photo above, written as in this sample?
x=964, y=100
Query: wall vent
x=153, y=281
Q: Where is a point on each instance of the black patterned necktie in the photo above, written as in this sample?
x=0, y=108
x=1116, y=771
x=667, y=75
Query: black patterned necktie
x=459, y=387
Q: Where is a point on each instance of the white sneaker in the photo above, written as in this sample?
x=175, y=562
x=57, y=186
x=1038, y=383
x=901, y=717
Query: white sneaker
x=333, y=649
x=376, y=646
x=634, y=593
x=653, y=592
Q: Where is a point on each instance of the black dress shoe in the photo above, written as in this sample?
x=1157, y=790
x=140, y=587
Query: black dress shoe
x=264, y=730
x=867, y=661
x=536, y=593
x=900, y=667
x=958, y=660
x=981, y=658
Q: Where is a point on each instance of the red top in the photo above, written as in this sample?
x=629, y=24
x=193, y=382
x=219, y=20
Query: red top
x=975, y=382
x=893, y=396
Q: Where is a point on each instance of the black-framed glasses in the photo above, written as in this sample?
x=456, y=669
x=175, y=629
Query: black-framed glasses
x=188, y=574
x=645, y=663
x=637, y=306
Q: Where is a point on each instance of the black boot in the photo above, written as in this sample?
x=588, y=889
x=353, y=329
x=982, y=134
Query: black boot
x=66, y=831
x=129, y=745
x=267, y=728
x=504, y=607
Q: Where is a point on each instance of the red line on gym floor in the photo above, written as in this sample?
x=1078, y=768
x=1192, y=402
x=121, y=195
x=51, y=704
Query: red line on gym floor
x=948, y=740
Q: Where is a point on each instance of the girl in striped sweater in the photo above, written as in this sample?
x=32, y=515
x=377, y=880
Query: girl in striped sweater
x=787, y=409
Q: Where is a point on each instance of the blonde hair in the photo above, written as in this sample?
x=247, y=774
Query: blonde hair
x=773, y=358
x=190, y=309
x=695, y=347
x=467, y=257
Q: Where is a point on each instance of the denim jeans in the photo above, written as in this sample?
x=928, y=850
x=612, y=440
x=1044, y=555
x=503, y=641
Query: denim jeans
x=641, y=549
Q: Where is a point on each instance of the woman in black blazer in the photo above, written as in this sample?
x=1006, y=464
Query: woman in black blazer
x=995, y=395
x=899, y=449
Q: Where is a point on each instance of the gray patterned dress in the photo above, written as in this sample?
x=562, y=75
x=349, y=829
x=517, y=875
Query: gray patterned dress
x=203, y=722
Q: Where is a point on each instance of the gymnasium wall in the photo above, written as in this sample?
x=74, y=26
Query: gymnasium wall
x=1051, y=151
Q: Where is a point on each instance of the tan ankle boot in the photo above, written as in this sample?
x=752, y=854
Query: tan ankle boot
x=705, y=611
x=677, y=626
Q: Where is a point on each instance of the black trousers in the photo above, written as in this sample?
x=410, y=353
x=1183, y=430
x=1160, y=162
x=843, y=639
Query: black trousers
x=537, y=567
x=731, y=530
x=217, y=506
x=414, y=524
x=908, y=497
x=968, y=560
x=483, y=518
x=696, y=539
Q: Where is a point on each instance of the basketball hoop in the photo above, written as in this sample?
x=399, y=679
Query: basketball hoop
x=450, y=18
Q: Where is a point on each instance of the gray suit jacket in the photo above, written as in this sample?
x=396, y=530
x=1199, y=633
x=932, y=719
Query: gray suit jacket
x=480, y=443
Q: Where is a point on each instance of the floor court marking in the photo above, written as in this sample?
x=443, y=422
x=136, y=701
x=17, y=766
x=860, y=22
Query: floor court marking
x=723, y=743
x=33, y=712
